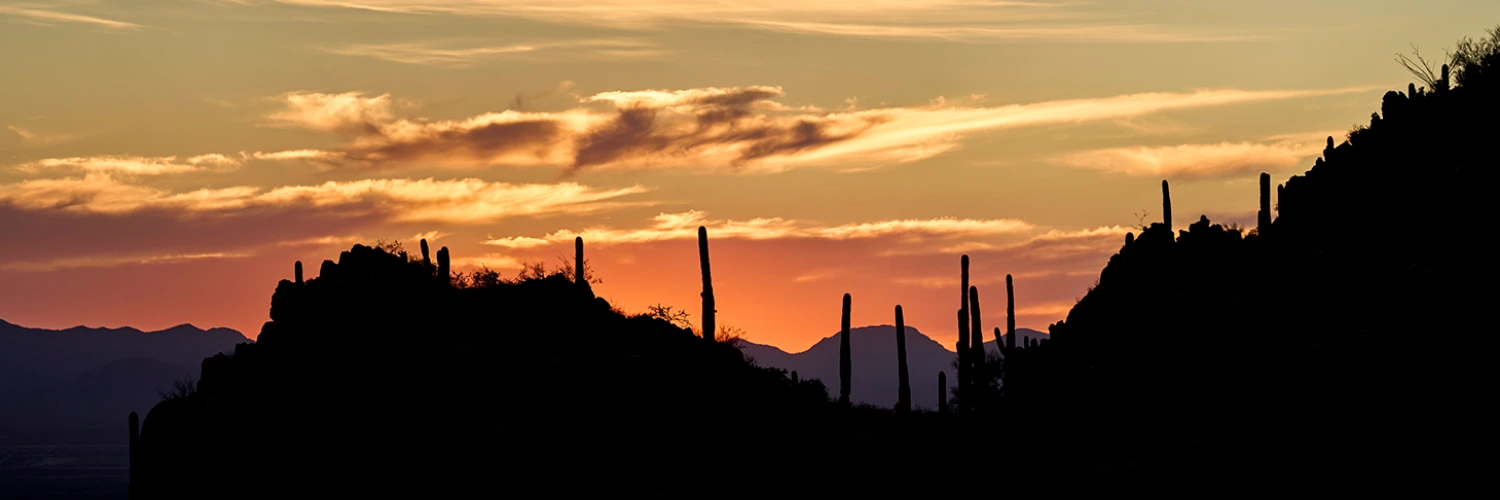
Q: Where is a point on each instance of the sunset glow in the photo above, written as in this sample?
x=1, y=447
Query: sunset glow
x=166, y=162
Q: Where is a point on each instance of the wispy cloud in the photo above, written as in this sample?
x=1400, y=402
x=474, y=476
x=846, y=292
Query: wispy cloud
x=101, y=261
x=745, y=128
x=41, y=16
x=31, y=137
x=463, y=55
x=1188, y=161
x=961, y=20
x=132, y=165
x=1063, y=33
x=397, y=200
x=684, y=225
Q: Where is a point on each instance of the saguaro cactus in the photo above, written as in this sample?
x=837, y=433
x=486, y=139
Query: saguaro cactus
x=443, y=274
x=903, y=384
x=976, y=332
x=964, y=359
x=844, y=368
x=578, y=261
x=426, y=261
x=134, y=451
x=963, y=355
x=708, y=285
x=1263, y=221
x=297, y=271
x=795, y=380
x=942, y=392
x=1166, y=207
x=1010, y=308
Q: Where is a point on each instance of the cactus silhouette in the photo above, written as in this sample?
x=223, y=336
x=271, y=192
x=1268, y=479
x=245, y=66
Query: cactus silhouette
x=708, y=285
x=1010, y=308
x=976, y=335
x=443, y=269
x=1263, y=220
x=845, y=371
x=297, y=271
x=964, y=359
x=578, y=261
x=795, y=380
x=1166, y=202
x=963, y=356
x=942, y=392
x=903, y=383
x=426, y=260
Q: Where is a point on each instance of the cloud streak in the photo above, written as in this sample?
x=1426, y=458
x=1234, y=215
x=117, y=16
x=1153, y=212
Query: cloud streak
x=684, y=225
x=453, y=55
x=1194, y=161
x=132, y=165
x=462, y=201
x=743, y=128
x=958, y=20
x=43, y=16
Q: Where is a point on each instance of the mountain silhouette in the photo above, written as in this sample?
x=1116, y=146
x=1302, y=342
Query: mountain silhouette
x=86, y=377
x=873, y=353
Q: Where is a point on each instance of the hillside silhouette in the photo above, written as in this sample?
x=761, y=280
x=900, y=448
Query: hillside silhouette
x=1292, y=351
x=380, y=368
x=1207, y=359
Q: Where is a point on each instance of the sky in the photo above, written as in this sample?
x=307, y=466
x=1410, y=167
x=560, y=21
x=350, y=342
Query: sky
x=166, y=161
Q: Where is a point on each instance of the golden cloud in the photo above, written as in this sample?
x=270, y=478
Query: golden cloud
x=742, y=127
x=452, y=55
x=40, y=16
x=400, y=200
x=1201, y=160
x=960, y=20
x=684, y=225
x=112, y=261
x=133, y=165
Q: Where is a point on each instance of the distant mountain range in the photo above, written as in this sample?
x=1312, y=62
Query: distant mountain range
x=872, y=351
x=86, y=377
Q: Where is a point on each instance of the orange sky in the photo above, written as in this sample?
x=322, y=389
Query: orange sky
x=165, y=162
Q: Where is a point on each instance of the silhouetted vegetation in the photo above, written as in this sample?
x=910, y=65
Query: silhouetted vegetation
x=1346, y=339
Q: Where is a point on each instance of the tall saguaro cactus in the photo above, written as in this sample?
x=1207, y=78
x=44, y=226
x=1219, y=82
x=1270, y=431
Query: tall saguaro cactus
x=976, y=332
x=1263, y=219
x=1166, y=207
x=964, y=359
x=845, y=372
x=903, y=383
x=297, y=271
x=1010, y=310
x=578, y=261
x=942, y=392
x=134, y=451
x=443, y=269
x=708, y=285
x=426, y=260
